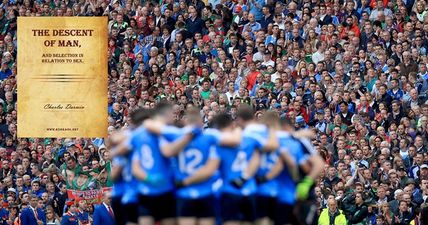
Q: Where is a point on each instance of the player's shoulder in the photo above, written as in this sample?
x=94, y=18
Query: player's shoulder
x=283, y=134
x=174, y=129
x=120, y=160
x=127, y=132
x=212, y=131
x=137, y=131
x=255, y=127
x=307, y=146
x=255, y=130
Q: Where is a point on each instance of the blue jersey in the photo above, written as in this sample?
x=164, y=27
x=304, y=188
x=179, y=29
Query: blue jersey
x=297, y=151
x=194, y=156
x=120, y=186
x=234, y=161
x=131, y=193
x=267, y=162
x=147, y=151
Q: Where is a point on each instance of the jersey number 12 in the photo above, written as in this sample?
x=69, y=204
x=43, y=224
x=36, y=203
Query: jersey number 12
x=193, y=158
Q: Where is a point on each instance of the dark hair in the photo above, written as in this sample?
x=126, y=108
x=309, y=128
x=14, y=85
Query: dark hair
x=245, y=112
x=140, y=114
x=34, y=196
x=222, y=120
x=343, y=102
x=162, y=107
x=285, y=121
x=193, y=114
x=72, y=158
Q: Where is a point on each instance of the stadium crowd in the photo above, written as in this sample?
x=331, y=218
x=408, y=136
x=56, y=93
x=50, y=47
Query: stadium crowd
x=353, y=71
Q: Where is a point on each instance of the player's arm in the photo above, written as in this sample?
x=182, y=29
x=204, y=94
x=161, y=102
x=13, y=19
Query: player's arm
x=121, y=149
x=304, y=133
x=272, y=173
x=272, y=143
x=313, y=167
x=120, y=141
x=316, y=166
x=250, y=171
x=173, y=141
x=253, y=165
x=170, y=149
x=137, y=171
x=203, y=173
x=116, y=169
x=140, y=174
x=290, y=164
x=171, y=145
x=313, y=164
x=276, y=170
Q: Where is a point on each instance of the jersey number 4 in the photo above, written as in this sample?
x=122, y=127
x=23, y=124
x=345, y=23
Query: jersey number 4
x=240, y=162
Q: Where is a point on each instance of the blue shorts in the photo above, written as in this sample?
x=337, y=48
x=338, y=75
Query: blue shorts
x=284, y=214
x=131, y=212
x=238, y=208
x=199, y=208
x=159, y=207
x=306, y=211
x=117, y=206
x=266, y=207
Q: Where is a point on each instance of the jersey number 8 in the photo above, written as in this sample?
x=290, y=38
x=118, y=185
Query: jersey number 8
x=147, y=157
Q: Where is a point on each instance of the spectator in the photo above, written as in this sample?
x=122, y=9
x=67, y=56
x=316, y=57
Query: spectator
x=404, y=215
x=70, y=218
x=103, y=213
x=51, y=218
x=32, y=215
x=332, y=213
x=360, y=212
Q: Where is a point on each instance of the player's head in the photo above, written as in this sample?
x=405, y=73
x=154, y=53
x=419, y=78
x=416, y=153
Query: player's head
x=163, y=111
x=193, y=117
x=138, y=116
x=245, y=114
x=222, y=121
x=270, y=118
x=286, y=123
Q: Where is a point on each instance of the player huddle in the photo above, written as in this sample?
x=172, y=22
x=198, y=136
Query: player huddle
x=238, y=171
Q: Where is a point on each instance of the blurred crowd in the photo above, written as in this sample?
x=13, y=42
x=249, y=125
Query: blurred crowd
x=355, y=71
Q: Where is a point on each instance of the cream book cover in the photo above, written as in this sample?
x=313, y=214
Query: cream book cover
x=62, y=77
